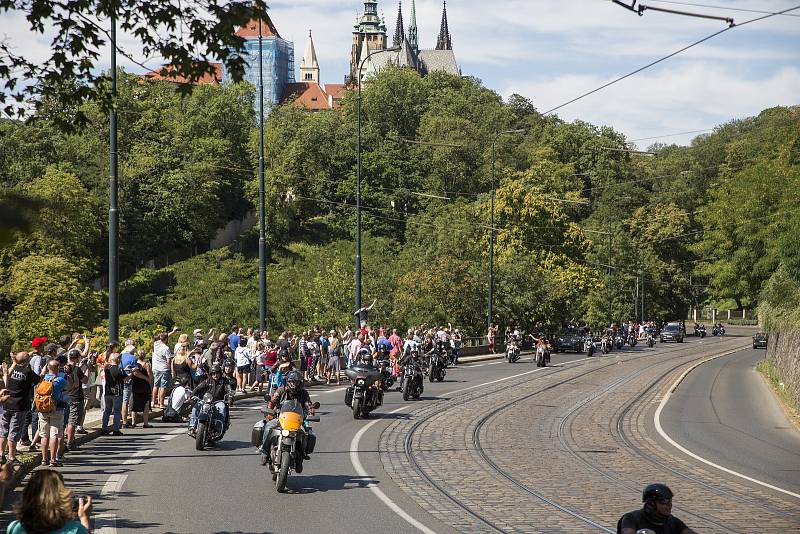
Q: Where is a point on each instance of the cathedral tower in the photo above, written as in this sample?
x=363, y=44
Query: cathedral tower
x=413, y=38
x=400, y=29
x=444, y=42
x=369, y=35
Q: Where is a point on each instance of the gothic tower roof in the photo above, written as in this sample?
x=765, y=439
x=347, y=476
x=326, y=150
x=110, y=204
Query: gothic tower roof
x=413, y=38
x=399, y=31
x=310, y=55
x=444, y=42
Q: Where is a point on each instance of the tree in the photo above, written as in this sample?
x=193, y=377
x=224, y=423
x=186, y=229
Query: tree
x=49, y=298
x=189, y=36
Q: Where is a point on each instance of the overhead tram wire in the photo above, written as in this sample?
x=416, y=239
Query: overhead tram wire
x=664, y=58
x=742, y=9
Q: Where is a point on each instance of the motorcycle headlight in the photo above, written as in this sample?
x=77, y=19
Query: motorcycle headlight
x=360, y=382
x=285, y=433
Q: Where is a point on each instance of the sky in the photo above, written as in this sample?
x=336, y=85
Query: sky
x=551, y=51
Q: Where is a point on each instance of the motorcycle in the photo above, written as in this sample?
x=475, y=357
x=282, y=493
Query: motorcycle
x=651, y=339
x=619, y=341
x=632, y=339
x=210, y=429
x=605, y=345
x=364, y=395
x=178, y=405
x=436, y=366
x=291, y=440
x=512, y=352
x=702, y=332
x=387, y=380
x=413, y=383
x=588, y=347
x=542, y=356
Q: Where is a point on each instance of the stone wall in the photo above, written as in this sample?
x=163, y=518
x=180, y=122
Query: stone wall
x=783, y=351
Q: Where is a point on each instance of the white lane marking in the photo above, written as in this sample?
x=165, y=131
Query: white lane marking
x=138, y=457
x=660, y=429
x=371, y=485
x=113, y=485
x=380, y=494
x=105, y=524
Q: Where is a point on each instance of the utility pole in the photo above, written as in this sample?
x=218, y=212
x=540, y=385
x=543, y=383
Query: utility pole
x=608, y=278
x=113, y=208
x=636, y=300
x=262, y=236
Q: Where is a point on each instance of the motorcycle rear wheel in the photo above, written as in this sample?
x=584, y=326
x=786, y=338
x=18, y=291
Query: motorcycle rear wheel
x=283, y=473
x=200, y=436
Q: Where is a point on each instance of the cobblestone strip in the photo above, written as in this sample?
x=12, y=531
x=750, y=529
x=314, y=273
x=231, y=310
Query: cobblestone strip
x=583, y=445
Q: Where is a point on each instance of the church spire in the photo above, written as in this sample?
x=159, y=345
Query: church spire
x=309, y=68
x=444, y=42
x=413, y=39
x=399, y=31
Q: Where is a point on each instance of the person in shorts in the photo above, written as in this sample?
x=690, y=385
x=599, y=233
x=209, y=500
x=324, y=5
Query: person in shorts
x=161, y=358
x=74, y=395
x=51, y=424
x=19, y=380
x=243, y=358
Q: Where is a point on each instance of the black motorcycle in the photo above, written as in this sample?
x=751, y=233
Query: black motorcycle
x=364, y=395
x=512, y=351
x=619, y=341
x=413, y=383
x=210, y=428
x=632, y=339
x=701, y=332
x=385, y=367
x=437, y=363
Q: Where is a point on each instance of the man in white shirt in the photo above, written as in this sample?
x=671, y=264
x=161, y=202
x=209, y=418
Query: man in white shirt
x=161, y=358
x=244, y=359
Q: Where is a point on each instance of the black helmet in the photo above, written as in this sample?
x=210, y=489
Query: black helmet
x=656, y=492
x=215, y=369
x=294, y=380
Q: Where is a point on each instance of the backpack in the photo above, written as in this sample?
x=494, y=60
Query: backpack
x=43, y=398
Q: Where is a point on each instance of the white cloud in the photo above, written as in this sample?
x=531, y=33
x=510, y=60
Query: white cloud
x=679, y=98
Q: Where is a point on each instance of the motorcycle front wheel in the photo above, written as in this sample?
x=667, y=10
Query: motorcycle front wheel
x=283, y=472
x=407, y=389
x=431, y=376
x=200, y=436
x=357, y=408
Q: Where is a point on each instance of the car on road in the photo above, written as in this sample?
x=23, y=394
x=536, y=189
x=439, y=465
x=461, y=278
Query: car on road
x=569, y=340
x=760, y=341
x=672, y=332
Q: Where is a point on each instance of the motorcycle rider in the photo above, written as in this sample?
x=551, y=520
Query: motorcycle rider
x=220, y=388
x=292, y=390
x=411, y=356
x=654, y=515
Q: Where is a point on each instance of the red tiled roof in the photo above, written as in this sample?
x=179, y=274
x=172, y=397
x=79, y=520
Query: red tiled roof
x=336, y=91
x=164, y=74
x=251, y=29
x=306, y=94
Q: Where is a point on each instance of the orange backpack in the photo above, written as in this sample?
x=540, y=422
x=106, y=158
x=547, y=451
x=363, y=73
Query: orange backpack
x=44, y=397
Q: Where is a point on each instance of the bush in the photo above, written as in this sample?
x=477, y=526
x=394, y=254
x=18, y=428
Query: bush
x=144, y=289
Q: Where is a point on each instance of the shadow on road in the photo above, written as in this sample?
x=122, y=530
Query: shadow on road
x=321, y=483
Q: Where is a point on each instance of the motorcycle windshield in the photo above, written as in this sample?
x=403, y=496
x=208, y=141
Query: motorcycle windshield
x=291, y=416
x=292, y=405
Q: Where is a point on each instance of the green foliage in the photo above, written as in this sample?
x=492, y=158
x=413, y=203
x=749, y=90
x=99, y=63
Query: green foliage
x=49, y=299
x=144, y=289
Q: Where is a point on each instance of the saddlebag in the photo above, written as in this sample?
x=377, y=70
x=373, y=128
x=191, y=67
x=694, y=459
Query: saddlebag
x=257, y=436
x=348, y=396
x=311, y=442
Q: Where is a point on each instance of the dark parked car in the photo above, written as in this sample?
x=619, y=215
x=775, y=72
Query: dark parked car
x=569, y=340
x=760, y=341
x=672, y=332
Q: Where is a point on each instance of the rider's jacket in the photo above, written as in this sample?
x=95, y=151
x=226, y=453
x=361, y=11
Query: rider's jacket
x=219, y=389
x=283, y=393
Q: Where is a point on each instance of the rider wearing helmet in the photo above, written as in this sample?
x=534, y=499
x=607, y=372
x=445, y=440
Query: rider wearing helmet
x=221, y=391
x=292, y=390
x=655, y=515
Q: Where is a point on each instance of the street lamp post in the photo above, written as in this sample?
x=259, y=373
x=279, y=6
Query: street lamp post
x=490, y=299
x=113, y=208
x=262, y=238
x=358, y=177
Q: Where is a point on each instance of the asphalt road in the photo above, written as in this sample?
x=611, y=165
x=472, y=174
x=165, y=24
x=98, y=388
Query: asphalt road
x=154, y=480
x=171, y=487
x=724, y=411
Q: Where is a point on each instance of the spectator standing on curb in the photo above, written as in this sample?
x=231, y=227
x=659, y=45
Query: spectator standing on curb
x=37, y=363
x=161, y=360
x=115, y=382
x=243, y=359
x=181, y=366
x=51, y=407
x=233, y=338
x=334, y=350
x=48, y=506
x=74, y=391
x=89, y=367
x=19, y=380
x=346, y=339
x=127, y=362
x=142, y=382
x=352, y=348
